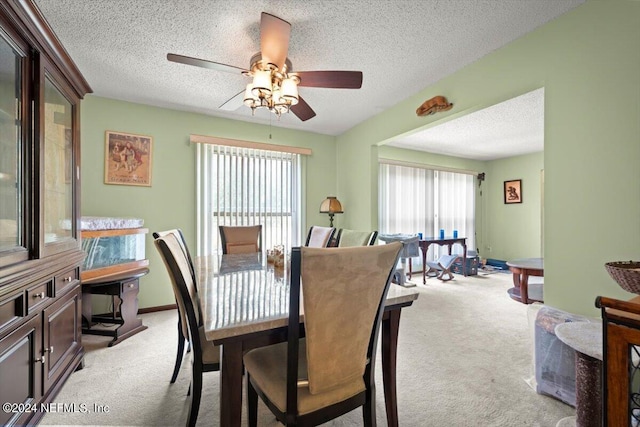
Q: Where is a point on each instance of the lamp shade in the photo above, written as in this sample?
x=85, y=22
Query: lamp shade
x=331, y=205
x=261, y=82
x=290, y=91
x=250, y=100
x=276, y=98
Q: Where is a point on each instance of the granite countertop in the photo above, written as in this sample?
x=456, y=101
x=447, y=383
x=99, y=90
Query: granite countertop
x=252, y=299
x=93, y=223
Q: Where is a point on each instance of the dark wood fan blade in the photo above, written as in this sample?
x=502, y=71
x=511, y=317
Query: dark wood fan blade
x=274, y=39
x=302, y=110
x=330, y=79
x=234, y=102
x=203, y=63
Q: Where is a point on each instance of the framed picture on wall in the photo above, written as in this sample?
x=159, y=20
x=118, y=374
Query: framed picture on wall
x=127, y=159
x=513, y=191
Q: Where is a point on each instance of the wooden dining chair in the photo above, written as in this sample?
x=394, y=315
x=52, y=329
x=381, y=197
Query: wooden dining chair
x=183, y=334
x=205, y=356
x=347, y=238
x=240, y=239
x=306, y=382
x=319, y=237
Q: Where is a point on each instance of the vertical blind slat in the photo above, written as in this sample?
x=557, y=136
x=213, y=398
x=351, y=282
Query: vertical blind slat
x=242, y=186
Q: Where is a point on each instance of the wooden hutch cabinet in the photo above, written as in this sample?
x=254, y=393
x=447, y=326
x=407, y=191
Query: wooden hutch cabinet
x=40, y=253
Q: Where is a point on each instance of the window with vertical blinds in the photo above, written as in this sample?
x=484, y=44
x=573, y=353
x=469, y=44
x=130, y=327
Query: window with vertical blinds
x=241, y=186
x=421, y=200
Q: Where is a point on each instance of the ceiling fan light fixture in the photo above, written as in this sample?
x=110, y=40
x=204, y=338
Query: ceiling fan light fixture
x=276, y=97
x=278, y=104
x=261, y=82
x=280, y=110
x=270, y=69
x=250, y=100
x=290, y=90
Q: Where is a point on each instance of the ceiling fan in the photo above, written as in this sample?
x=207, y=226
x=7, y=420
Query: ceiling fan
x=275, y=83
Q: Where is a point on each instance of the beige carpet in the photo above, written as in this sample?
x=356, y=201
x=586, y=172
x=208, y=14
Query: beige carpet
x=463, y=357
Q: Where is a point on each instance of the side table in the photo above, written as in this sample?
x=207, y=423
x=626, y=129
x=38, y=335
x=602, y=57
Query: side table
x=445, y=241
x=123, y=287
x=522, y=291
x=586, y=339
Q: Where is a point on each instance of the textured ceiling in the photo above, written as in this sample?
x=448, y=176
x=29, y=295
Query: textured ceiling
x=511, y=128
x=401, y=47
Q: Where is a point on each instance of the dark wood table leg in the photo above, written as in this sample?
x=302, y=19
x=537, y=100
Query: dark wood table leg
x=231, y=385
x=521, y=282
x=524, y=287
x=424, y=249
x=516, y=277
x=464, y=259
x=390, y=327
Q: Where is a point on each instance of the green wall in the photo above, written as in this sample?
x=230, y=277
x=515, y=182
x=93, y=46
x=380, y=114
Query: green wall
x=170, y=201
x=514, y=230
x=588, y=61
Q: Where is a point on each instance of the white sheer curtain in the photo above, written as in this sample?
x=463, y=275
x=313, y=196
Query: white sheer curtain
x=456, y=207
x=405, y=200
x=246, y=186
x=420, y=200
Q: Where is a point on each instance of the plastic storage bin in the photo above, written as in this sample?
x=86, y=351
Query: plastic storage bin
x=471, y=265
x=554, y=361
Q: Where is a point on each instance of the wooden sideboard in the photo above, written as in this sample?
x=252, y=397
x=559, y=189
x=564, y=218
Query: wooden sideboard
x=40, y=254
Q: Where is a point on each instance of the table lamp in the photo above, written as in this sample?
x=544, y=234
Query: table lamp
x=331, y=206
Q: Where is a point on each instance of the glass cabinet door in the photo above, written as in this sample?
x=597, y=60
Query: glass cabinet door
x=58, y=166
x=11, y=181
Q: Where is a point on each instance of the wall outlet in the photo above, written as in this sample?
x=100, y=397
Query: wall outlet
x=488, y=248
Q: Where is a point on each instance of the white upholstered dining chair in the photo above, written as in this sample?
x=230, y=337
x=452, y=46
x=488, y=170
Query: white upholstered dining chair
x=319, y=237
x=205, y=356
x=311, y=380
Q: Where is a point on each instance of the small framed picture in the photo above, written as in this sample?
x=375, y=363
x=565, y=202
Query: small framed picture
x=513, y=191
x=127, y=159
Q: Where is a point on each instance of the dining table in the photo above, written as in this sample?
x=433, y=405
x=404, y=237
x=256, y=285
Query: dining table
x=245, y=303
